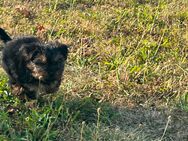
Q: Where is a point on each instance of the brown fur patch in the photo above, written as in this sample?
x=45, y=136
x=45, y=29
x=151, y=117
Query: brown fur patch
x=37, y=72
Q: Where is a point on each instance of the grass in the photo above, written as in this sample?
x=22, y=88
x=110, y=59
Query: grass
x=125, y=78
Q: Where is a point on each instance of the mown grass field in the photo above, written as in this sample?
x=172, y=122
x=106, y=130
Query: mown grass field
x=126, y=77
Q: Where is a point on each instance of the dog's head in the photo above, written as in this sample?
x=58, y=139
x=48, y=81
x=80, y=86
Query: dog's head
x=45, y=63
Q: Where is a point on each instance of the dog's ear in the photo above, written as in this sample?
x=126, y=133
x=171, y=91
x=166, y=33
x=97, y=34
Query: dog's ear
x=60, y=52
x=64, y=50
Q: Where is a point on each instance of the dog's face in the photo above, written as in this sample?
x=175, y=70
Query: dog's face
x=45, y=64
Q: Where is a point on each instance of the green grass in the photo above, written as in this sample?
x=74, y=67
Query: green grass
x=126, y=74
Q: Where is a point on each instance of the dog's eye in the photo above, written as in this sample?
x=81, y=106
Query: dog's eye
x=34, y=55
x=58, y=58
x=38, y=63
x=39, y=59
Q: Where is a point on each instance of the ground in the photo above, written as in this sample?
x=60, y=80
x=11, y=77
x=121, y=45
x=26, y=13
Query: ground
x=126, y=77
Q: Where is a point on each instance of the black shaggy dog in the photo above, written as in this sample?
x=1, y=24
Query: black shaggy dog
x=32, y=65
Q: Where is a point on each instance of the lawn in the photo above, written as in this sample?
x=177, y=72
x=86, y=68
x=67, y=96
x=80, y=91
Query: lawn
x=126, y=77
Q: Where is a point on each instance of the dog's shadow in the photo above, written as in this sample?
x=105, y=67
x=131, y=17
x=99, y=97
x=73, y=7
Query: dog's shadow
x=137, y=121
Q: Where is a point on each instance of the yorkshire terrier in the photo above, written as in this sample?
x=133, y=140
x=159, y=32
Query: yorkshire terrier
x=32, y=66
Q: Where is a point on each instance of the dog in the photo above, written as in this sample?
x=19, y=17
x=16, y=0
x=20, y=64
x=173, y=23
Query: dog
x=33, y=67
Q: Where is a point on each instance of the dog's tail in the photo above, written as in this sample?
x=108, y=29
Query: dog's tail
x=4, y=36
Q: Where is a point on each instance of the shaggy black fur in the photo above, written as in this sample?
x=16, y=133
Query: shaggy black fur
x=33, y=66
